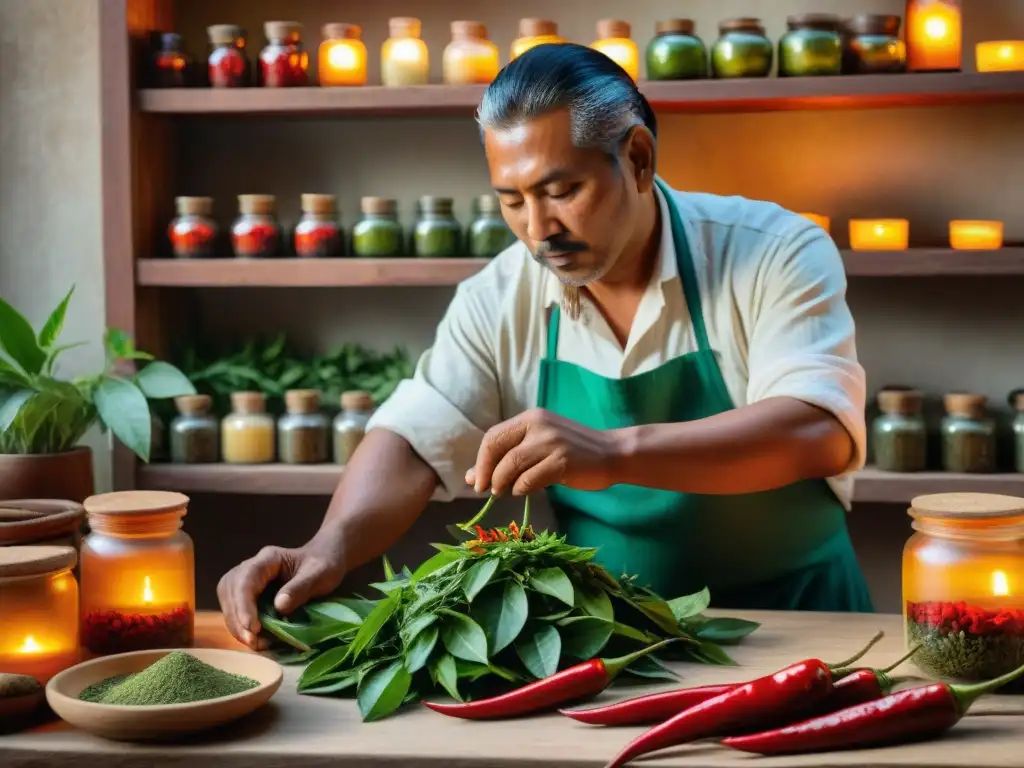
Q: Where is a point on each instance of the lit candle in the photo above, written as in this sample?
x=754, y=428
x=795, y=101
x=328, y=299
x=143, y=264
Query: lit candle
x=470, y=58
x=404, y=59
x=613, y=40
x=971, y=235
x=879, y=234
x=533, y=32
x=1000, y=56
x=934, y=33
x=820, y=219
x=342, y=58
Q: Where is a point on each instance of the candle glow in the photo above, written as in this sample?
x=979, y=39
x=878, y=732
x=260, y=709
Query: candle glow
x=1000, y=56
x=30, y=645
x=1000, y=584
x=342, y=57
x=879, y=234
x=971, y=235
x=934, y=32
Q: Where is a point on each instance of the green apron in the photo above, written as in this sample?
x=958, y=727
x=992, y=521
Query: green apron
x=784, y=549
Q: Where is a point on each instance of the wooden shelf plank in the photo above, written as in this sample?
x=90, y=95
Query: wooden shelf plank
x=873, y=485
x=934, y=262
x=750, y=95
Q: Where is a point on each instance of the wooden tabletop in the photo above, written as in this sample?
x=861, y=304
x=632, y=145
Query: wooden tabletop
x=310, y=732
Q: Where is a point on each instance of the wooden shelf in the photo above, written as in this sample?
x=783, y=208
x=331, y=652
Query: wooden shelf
x=934, y=262
x=873, y=485
x=742, y=95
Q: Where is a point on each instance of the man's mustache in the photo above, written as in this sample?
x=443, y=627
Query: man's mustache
x=547, y=247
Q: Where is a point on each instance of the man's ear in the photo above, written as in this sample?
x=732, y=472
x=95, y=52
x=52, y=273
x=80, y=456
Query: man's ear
x=641, y=149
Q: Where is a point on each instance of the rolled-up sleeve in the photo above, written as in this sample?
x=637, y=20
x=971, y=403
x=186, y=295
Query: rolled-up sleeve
x=803, y=341
x=453, y=397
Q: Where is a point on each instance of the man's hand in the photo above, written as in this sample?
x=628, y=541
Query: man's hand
x=540, y=448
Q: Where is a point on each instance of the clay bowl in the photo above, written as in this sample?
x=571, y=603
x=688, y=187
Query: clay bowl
x=137, y=723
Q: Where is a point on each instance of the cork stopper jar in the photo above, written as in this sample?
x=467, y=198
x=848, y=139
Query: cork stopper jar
x=614, y=41
x=534, y=32
x=303, y=432
x=342, y=55
x=404, y=59
x=436, y=234
x=470, y=58
x=899, y=435
x=256, y=233
x=488, y=234
x=283, y=61
x=742, y=49
x=318, y=233
x=968, y=434
x=350, y=425
x=193, y=232
x=247, y=433
x=675, y=52
x=227, y=65
x=194, y=431
x=378, y=234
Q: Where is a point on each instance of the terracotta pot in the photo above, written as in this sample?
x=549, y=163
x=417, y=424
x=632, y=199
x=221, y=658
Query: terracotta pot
x=42, y=522
x=47, y=475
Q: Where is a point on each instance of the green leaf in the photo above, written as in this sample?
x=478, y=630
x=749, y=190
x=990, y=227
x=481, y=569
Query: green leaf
x=594, y=602
x=12, y=376
x=322, y=665
x=333, y=611
x=688, y=606
x=710, y=653
x=502, y=612
x=652, y=669
x=124, y=410
x=583, y=637
x=159, y=381
x=445, y=672
x=383, y=691
x=409, y=632
x=54, y=323
x=658, y=611
x=121, y=347
x=282, y=631
x=478, y=577
x=359, y=605
x=458, y=534
x=634, y=634
x=463, y=637
x=554, y=582
x=389, y=572
x=11, y=406
x=373, y=623
x=419, y=652
x=539, y=647
x=726, y=630
x=332, y=684
x=436, y=563
x=19, y=340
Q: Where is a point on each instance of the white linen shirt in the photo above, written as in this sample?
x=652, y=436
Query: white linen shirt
x=773, y=292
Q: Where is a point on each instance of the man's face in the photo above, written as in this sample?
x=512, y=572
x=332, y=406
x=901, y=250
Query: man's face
x=573, y=208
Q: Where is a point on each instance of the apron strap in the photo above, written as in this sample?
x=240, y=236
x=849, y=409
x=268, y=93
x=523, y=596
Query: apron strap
x=553, y=320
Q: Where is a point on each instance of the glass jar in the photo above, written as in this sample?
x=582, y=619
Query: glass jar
x=302, y=431
x=963, y=585
x=227, y=65
x=350, y=424
x=378, y=234
x=283, y=62
x=1017, y=403
x=742, y=49
x=342, y=56
x=318, y=233
x=488, y=234
x=194, y=431
x=193, y=232
x=534, y=32
x=39, y=595
x=470, y=58
x=404, y=59
x=437, y=234
x=170, y=64
x=934, y=35
x=675, y=53
x=812, y=46
x=900, y=436
x=968, y=435
x=872, y=45
x=256, y=233
x=138, y=573
x=247, y=433
x=614, y=41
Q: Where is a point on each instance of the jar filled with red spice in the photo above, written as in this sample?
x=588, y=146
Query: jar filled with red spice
x=256, y=233
x=193, y=233
x=318, y=233
x=283, y=61
x=227, y=66
x=137, y=573
x=171, y=65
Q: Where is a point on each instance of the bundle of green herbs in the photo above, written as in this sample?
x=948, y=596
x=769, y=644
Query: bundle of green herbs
x=502, y=608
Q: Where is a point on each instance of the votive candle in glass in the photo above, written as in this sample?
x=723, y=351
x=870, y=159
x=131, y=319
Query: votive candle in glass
x=342, y=56
x=879, y=234
x=404, y=59
x=934, y=32
x=470, y=58
x=975, y=235
x=614, y=41
x=534, y=32
x=1000, y=56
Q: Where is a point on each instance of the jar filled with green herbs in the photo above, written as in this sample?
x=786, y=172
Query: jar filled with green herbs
x=302, y=432
x=195, y=432
x=899, y=434
x=378, y=234
x=350, y=424
x=742, y=49
x=968, y=434
x=812, y=46
x=436, y=235
x=1017, y=403
x=488, y=234
x=675, y=52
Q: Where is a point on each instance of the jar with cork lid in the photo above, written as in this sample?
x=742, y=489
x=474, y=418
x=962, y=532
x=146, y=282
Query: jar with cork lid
x=742, y=49
x=227, y=65
x=318, y=233
x=350, y=424
x=378, y=233
x=170, y=64
x=968, y=434
x=614, y=41
x=488, y=234
x=194, y=431
x=534, y=32
x=437, y=234
x=675, y=52
x=899, y=433
x=283, y=61
x=1017, y=403
x=303, y=431
x=247, y=433
x=342, y=55
x=256, y=233
x=193, y=232
x=404, y=59
x=470, y=58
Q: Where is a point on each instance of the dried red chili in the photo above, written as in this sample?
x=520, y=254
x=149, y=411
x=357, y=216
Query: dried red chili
x=283, y=62
x=106, y=632
x=318, y=234
x=256, y=233
x=192, y=232
x=228, y=66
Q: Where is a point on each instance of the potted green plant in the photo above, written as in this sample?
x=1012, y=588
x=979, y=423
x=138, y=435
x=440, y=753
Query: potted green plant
x=43, y=417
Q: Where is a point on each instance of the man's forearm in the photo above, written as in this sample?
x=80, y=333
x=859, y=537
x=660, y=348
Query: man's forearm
x=384, y=488
x=758, y=447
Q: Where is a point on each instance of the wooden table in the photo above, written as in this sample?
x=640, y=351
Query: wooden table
x=310, y=732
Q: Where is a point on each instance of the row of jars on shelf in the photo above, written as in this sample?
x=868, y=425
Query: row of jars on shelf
x=257, y=233
x=894, y=234
x=250, y=435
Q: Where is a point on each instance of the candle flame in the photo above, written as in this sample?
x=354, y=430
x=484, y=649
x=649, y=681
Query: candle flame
x=1006, y=52
x=147, y=592
x=342, y=57
x=30, y=645
x=1000, y=584
x=880, y=229
x=936, y=28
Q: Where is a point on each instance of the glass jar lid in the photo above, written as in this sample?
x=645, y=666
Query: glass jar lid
x=22, y=562
x=742, y=24
x=36, y=520
x=907, y=402
x=357, y=401
x=537, y=27
x=674, y=27
x=224, y=34
x=613, y=28
x=302, y=401
x=988, y=516
x=194, y=206
x=827, y=22
x=193, y=405
x=874, y=24
x=965, y=404
x=340, y=30
x=135, y=503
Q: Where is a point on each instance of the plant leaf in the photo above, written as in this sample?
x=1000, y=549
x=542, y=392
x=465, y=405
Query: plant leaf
x=357, y=604
x=726, y=630
x=634, y=634
x=383, y=691
x=389, y=572
x=332, y=684
x=322, y=665
x=463, y=637
x=160, y=380
x=436, y=563
x=502, y=612
x=445, y=672
x=710, y=653
x=594, y=602
x=121, y=347
x=458, y=534
x=54, y=323
x=478, y=577
x=420, y=623
x=281, y=630
x=373, y=623
x=688, y=606
x=658, y=611
x=652, y=669
x=12, y=376
x=554, y=582
x=19, y=340
x=124, y=410
x=11, y=406
x=539, y=648
x=419, y=651
x=333, y=611
x=583, y=637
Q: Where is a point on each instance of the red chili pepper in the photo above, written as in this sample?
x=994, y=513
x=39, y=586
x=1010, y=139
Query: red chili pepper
x=572, y=684
x=909, y=715
x=862, y=685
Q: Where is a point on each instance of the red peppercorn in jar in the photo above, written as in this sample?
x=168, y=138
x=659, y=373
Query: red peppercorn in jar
x=170, y=63
x=256, y=233
x=228, y=65
x=318, y=233
x=283, y=62
x=193, y=234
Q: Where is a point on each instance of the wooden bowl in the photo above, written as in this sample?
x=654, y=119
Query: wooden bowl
x=130, y=723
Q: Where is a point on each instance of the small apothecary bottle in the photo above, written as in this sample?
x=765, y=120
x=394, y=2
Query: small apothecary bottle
x=342, y=55
x=138, y=573
x=404, y=59
x=227, y=65
x=283, y=61
x=675, y=52
x=470, y=58
x=247, y=433
x=39, y=596
x=812, y=46
x=968, y=434
x=256, y=233
x=742, y=49
x=350, y=424
x=436, y=234
x=194, y=431
x=303, y=431
x=170, y=64
x=1017, y=403
x=378, y=234
x=963, y=585
x=193, y=232
x=872, y=45
x=318, y=233
x=900, y=436
x=488, y=234
x=534, y=32
x=614, y=41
